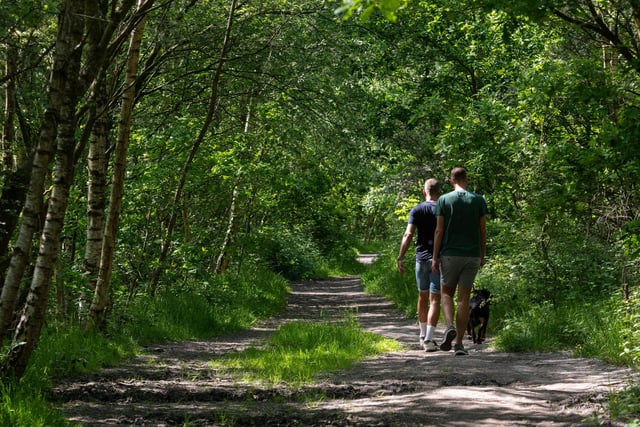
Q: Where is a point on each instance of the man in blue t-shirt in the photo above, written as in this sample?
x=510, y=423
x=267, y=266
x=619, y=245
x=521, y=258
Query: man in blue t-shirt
x=422, y=217
x=458, y=252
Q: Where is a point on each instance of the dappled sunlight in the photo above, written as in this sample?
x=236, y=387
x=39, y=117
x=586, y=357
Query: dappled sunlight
x=404, y=387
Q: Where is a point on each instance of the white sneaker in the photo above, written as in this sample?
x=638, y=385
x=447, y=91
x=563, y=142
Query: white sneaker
x=430, y=346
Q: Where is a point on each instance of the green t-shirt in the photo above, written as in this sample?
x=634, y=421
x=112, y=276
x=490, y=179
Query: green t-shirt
x=462, y=211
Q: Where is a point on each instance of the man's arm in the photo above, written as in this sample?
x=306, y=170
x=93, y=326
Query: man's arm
x=404, y=246
x=437, y=243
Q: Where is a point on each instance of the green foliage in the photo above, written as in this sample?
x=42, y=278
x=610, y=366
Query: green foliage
x=382, y=278
x=197, y=310
x=26, y=407
x=550, y=295
x=289, y=252
x=203, y=309
x=300, y=351
x=366, y=8
x=377, y=213
x=625, y=405
x=627, y=314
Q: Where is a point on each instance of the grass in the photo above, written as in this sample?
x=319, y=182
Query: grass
x=25, y=407
x=198, y=310
x=224, y=304
x=300, y=351
x=201, y=310
x=591, y=321
x=382, y=278
x=61, y=351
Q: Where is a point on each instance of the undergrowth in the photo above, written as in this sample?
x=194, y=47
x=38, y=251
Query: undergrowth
x=198, y=310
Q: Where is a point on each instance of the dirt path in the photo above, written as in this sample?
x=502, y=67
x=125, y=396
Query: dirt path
x=173, y=384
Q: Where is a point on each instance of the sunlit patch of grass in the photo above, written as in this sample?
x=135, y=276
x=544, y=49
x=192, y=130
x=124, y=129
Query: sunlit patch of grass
x=28, y=407
x=299, y=351
x=199, y=309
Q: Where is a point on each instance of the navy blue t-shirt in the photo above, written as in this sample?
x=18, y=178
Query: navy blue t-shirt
x=423, y=216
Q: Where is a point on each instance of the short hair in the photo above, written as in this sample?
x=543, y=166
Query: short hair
x=432, y=186
x=458, y=174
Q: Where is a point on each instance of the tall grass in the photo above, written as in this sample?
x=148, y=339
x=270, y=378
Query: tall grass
x=203, y=309
x=198, y=310
x=27, y=407
x=382, y=278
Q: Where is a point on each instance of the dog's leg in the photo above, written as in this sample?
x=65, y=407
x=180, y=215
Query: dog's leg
x=482, y=330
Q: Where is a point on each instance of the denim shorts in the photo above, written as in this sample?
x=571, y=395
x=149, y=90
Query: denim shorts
x=426, y=280
x=459, y=270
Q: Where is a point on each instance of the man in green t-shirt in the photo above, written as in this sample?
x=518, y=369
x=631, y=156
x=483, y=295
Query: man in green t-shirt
x=458, y=253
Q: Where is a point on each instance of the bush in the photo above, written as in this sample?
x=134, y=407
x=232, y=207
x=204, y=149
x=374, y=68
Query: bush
x=289, y=252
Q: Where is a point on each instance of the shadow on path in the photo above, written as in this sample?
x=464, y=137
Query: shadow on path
x=173, y=384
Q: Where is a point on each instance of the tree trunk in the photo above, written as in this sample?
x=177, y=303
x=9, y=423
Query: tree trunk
x=33, y=209
x=15, y=174
x=60, y=122
x=12, y=200
x=8, y=133
x=101, y=293
x=223, y=259
x=212, y=108
x=96, y=187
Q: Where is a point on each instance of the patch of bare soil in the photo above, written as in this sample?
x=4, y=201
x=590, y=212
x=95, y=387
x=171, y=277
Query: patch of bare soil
x=173, y=384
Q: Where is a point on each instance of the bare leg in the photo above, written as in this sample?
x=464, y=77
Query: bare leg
x=462, y=315
x=447, y=303
x=434, y=310
x=423, y=306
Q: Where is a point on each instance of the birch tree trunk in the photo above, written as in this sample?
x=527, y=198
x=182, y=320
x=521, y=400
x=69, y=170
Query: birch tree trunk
x=16, y=167
x=69, y=82
x=223, y=258
x=69, y=36
x=14, y=191
x=101, y=293
x=96, y=187
x=211, y=110
x=8, y=133
x=63, y=98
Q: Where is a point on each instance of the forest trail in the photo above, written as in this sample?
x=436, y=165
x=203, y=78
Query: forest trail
x=173, y=384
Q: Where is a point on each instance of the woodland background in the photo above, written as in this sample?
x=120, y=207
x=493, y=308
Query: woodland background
x=152, y=150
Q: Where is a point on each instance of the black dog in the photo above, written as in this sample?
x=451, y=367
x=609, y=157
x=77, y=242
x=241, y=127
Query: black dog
x=478, y=315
